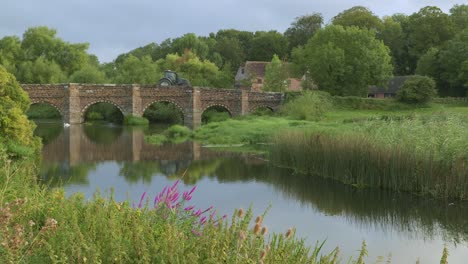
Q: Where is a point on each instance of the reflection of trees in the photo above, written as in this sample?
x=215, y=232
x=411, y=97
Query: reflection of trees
x=368, y=208
x=48, y=131
x=104, y=134
x=61, y=174
x=145, y=170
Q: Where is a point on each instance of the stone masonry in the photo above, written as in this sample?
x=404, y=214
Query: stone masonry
x=72, y=99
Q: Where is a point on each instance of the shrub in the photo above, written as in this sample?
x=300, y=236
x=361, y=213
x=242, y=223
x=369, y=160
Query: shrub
x=310, y=106
x=131, y=120
x=94, y=116
x=214, y=114
x=164, y=112
x=417, y=90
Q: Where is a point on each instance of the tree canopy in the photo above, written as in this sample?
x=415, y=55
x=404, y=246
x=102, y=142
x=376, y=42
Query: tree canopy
x=345, y=61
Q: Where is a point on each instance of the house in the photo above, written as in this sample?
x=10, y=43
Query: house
x=254, y=72
x=394, y=85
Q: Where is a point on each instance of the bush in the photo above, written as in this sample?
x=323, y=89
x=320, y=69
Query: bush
x=131, y=120
x=417, y=90
x=15, y=128
x=94, y=116
x=310, y=106
x=164, y=112
x=215, y=114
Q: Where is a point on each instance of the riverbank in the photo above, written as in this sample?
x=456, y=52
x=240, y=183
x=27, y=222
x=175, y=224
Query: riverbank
x=421, y=150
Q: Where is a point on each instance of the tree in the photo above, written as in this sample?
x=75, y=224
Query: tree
x=303, y=28
x=358, y=16
x=459, y=17
x=393, y=36
x=198, y=72
x=430, y=27
x=40, y=70
x=452, y=59
x=16, y=131
x=88, y=74
x=417, y=89
x=191, y=42
x=265, y=44
x=276, y=76
x=134, y=70
x=345, y=61
x=11, y=53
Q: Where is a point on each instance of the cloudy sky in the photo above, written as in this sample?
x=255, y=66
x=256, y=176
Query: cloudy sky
x=113, y=27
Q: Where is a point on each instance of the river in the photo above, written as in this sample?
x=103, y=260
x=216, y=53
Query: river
x=115, y=160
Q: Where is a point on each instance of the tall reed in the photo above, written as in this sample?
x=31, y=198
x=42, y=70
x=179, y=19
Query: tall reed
x=385, y=155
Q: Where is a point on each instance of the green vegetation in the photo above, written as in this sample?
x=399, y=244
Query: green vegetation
x=131, y=120
x=173, y=134
x=43, y=111
x=310, y=106
x=345, y=60
x=215, y=114
x=417, y=90
x=164, y=112
x=104, y=112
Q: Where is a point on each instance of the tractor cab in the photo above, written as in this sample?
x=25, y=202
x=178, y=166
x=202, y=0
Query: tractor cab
x=171, y=78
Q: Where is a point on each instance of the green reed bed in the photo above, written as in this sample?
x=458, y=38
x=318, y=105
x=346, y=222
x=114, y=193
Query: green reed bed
x=420, y=154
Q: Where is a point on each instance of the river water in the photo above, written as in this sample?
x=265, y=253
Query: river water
x=115, y=160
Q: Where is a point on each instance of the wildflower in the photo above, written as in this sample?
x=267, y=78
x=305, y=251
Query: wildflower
x=288, y=233
x=264, y=230
x=258, y=220
x=240, y=213
x=257, y=228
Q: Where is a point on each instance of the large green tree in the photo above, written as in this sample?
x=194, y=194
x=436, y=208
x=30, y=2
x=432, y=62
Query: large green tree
x=358, y=16
x=265, y=44
x=430, y=27
x=345, y=61
x=392, y=34
x=135, y=70
x=303, y=28
x=459, y=17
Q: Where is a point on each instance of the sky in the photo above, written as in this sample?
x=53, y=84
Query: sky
x=113, y=27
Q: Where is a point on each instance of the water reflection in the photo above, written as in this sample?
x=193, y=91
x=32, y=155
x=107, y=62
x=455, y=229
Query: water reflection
x=124, y=157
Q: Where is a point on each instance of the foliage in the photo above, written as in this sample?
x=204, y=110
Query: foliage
x=358, y=16
x=88, y=74
x=459, y=17
x=130, y=120
x=43, y=111
x=418, y=154
x=276, y=76
x=165, y=112
x=198, y=72
x=430, y=27
x=215, y=114
x=303, y=28
x=135, y=70
x=393, y=36
x=417, y=89
x=344, y=61
x=310, y=106
x=265, y=44
x=16, y=131
x=104, y=111
x=156, y=139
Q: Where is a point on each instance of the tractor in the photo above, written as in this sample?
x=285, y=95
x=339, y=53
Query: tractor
x=171, y=78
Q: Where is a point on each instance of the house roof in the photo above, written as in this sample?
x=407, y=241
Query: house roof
x=256, y=68
x=393, y=85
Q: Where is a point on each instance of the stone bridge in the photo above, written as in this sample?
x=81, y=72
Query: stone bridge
x=72, y=100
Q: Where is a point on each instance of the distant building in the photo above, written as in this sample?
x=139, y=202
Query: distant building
x=394, y=85
x=254, y=71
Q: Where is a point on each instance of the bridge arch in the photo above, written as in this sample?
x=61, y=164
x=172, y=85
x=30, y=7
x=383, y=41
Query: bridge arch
x=164, y=101
x=35, y=102
x=86, y=107
x=218, y=105
x=257, y=107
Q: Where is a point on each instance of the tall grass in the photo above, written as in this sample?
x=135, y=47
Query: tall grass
x=43, y=226
x=423, y=156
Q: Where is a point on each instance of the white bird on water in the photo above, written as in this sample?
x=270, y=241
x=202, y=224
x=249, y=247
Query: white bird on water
x=66, y=124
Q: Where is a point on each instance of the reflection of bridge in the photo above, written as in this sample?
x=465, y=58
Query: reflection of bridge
x=75, y=146
x=72, y=100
